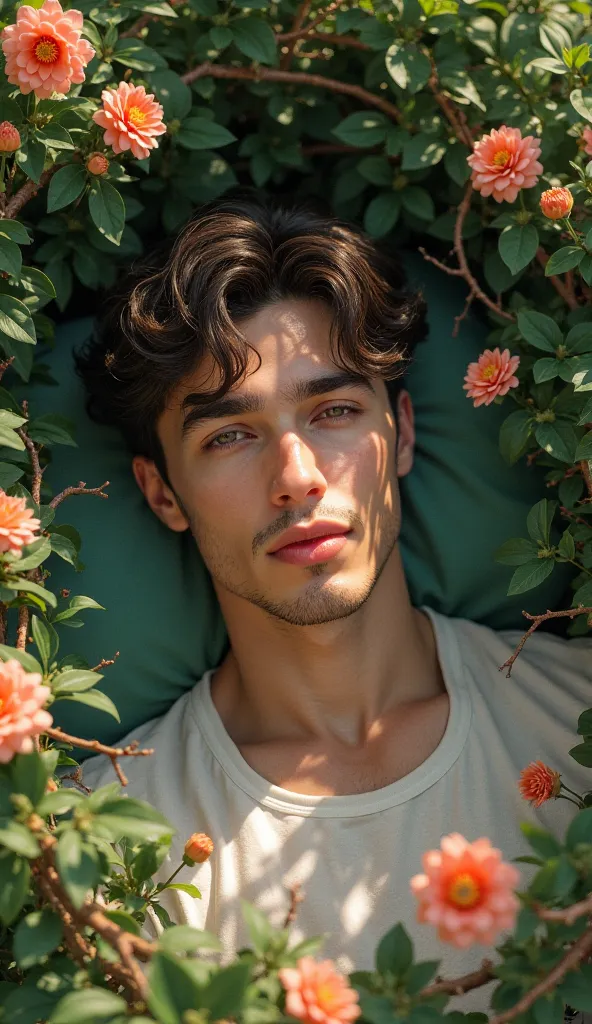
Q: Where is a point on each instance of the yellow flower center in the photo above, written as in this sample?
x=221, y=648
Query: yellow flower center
x=501, y=158
x=464, y=892
x=488, y=372
x=46, y=50
x=136, y=116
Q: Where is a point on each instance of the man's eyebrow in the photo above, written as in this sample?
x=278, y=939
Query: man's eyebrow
x=197, y=411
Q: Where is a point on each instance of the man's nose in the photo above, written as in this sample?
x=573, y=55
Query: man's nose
x=297, y=475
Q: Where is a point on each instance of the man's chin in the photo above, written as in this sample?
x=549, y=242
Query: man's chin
x=325, y=599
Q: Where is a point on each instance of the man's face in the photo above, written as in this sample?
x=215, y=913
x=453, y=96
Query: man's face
x=289, y=483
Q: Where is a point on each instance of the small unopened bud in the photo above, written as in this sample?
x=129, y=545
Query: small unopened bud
x=51, y=786
x=97, y=163
x=198, y=848
x=556, y=203
x=9, y=137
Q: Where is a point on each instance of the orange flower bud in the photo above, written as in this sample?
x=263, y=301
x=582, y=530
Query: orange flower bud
x=539, y=783
x=97, y=163
x=198, y=848
x=556, y=203
x=9, y=137
x=52, y=786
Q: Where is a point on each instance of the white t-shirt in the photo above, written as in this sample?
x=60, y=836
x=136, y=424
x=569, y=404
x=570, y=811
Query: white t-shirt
x=354, y=855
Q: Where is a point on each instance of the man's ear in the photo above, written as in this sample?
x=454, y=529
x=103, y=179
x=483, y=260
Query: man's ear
x=405, y=433
x=159, y=495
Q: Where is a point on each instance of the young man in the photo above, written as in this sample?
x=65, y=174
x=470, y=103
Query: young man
x=251, y=370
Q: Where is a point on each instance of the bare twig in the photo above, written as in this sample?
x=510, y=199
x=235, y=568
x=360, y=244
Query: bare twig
x=37, y=473
x=300, y=33
x=135, y=29
x=132, y=750
x=566, y=294
x=299, y=19
x=26, y=192
x=296, y=898
x=81, y=489
x=330, y=39
x=458, y=986
x=455, y=117
x=536, y=620
x=569, y=914
x=585, y=468
x=574, y=956
x=104, y=662
x=292, y=78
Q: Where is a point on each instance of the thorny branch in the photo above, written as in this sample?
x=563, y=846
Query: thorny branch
x=296, y=898
x=132, y=750
x=26, y=192
x=458, y=986
x=569, y=914
x=292, y=78
x=536, y=620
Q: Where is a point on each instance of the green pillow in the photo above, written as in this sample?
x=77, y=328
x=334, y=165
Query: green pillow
x=459, y=504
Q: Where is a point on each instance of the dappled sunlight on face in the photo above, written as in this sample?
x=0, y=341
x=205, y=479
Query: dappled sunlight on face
x=299, y=442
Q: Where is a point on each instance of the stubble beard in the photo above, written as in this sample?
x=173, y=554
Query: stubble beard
x=321, y=602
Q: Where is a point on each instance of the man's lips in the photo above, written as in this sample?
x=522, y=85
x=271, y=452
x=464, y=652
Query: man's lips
x=311, y=545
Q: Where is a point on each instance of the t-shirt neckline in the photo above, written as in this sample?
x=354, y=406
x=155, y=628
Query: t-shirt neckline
x=421, y=778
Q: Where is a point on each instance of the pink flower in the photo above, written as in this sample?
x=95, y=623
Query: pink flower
x=466, y=891
x=44, y=52
x=17, y=525
x=491, y=375
x=21, y=709
x=539, y=783
x=317, y=994
x=587, y=139
x=131, y=118
x=503, y=163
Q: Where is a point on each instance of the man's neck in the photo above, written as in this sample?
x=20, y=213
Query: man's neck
x=335, y=682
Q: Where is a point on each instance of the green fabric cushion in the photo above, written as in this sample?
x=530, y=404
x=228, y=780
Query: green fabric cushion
x=459, y=504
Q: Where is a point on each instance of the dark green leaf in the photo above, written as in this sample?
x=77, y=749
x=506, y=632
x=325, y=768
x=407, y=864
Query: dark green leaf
x=107, y=209
x=31, y=158
x=37, y=935
x=539, y=519
x=132, y=818
x=394, y=952
x=581, y=100
x=27, y=660
x=516, y=552
x=46, y=640
x=10, y=257
x=65, y=186
x=255, y=38
x=74, y=680
x=173, y=988
x=364, y=129
x=77, y=865
x=530, y=575
x=185, y=939
x=200, y=133
x=422, y=150
x=18, y=839
x=576, y=990
x=93, y=699
x=557, y=439
x=539, y=330
x=514, y=434
x=408, y=66
x=584, y=449
x=172, y=92
x=29, y=775
x=582, y=753
x=259, y=928
x=382, y=213
x=518, y=245
x=9, y=474
x=546, y=369
x=418, y=202
x=15, y=875
x=52, y=429
x=585, y=723
x=15, y=320
x=566, y=258
x=541, y=841
x=580, y=829
x=88, y=1006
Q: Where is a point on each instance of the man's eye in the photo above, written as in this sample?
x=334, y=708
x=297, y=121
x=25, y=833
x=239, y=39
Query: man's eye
x=336, y=412
x=227, y=439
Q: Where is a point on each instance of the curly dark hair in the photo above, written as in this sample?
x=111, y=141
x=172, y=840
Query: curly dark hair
x=186, y=300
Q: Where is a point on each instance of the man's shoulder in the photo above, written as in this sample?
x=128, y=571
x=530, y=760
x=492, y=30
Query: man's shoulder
x=165, y=737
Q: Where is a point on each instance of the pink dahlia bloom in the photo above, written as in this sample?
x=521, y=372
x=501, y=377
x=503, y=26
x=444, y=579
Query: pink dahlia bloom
x=317, y=994
x=491, y=375
x=587, y=139
x=21, y=709
x=17, y=525
x=503, y=163
x=43, y=49
x=467, y=891
x=132, y=119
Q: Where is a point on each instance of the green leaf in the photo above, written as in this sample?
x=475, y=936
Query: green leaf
x=376, y=169
x=582, y=753
x=16, y=231
x=46, y=641
x=132, y=818
x=539, y=519
x=566, y=258
x=15, y=875
x=518, y=245
x=576, y=989
x=394, y=952
x=516, y=552
x=419, y=975
x=15, y=320
x=134, y=54
x=18, y=839
x=172, y=92
x=546, y=369
x=52, y=429
x=549, y=1009
x=514, y=434
x=25, y=586
x=200, y=133
x=584, y=449
x=89, y=1006
x=10, y=439
x=65, y=186
x=530, y=575
x=31, y=158
x=10, y=257
x=173, y=988
x=418, y=202
x=260, y=931
x=408, y=66
x=93, y=699
x=59, y=802
x=539, y=330
x=567, y=546
x=185, y=939
x=579, y=339
x=557, y=439
x=74, y=680
x=9, y=474
x=77, y=864
x=29, y=775
x=585, y=723
x=364, y=129
x=29, y=663
x=580, y=829
x=581, y=101
x=541, y=841
x=187, y=887
x=107, y=210
x=224, y=995
x=55, y=136
x=36, y=935
x=382, y=213
x=421, y=151
x=255, y=38
x=583, y=595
